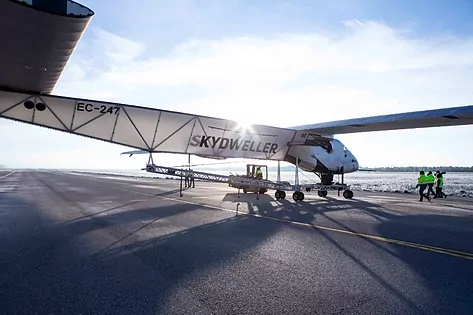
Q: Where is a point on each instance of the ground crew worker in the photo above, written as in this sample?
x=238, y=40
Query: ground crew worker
x=259, y=173
x=430, y=183
x=439, y=186
x=191, y=179
x=422, y=184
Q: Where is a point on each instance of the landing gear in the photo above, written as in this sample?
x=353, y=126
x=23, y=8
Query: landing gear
x=348, y=194
x=326, y=179
x=280, y=194
x=326, y=184
x=298, y=196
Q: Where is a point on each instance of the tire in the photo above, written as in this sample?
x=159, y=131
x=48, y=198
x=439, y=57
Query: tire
x=348, y=194
x=298, y=196
x=322, y=193
x=301, y=195
x=283, y=194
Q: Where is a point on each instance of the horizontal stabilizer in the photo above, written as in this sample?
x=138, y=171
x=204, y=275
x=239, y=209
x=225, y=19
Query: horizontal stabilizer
x=135, y=152
x=211, y=157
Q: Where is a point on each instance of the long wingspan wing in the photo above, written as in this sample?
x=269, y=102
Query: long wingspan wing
x=147, y=129
x=454, y=116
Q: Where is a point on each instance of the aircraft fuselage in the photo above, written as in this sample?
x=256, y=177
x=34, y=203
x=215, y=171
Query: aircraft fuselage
x=335, y=159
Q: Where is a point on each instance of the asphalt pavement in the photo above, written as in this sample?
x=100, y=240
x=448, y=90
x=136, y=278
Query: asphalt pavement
x=81, y=244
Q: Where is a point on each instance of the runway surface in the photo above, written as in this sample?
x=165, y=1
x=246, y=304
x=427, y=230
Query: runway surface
x=81, y=244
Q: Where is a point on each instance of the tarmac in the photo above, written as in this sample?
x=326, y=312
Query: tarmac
x=87, y=244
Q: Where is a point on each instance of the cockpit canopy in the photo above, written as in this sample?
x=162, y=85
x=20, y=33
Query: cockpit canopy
x=315, y=140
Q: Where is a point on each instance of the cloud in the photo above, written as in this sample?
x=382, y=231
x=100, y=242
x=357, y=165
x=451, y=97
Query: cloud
x=118, y=49
x=369, y=68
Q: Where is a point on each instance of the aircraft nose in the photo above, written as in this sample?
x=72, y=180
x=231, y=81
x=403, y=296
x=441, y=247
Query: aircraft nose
x=354, y=164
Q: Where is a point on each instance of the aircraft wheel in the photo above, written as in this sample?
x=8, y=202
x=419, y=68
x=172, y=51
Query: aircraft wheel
x=348, y=194
x=322, y=193
x=245, y=191
x=283, y=194
x=298, y=196
x=277, y=194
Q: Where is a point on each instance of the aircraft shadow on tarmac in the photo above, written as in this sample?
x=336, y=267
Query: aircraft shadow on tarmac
x=43, y=258
x=305, y=211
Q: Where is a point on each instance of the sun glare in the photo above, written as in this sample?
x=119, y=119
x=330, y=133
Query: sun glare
x=244, y=127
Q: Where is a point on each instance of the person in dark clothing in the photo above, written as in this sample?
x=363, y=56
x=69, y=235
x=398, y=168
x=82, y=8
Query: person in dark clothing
x=186, y=174
x=422, y=184
x=191, y=179
x=439, y=186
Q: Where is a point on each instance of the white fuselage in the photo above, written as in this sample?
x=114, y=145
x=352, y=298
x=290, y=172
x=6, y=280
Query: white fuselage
x=318, y=159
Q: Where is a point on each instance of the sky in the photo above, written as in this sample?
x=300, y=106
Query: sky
x=279, y=63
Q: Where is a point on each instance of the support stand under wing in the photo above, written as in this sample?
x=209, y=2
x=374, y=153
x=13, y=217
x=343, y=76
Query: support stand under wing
x=240, y=181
